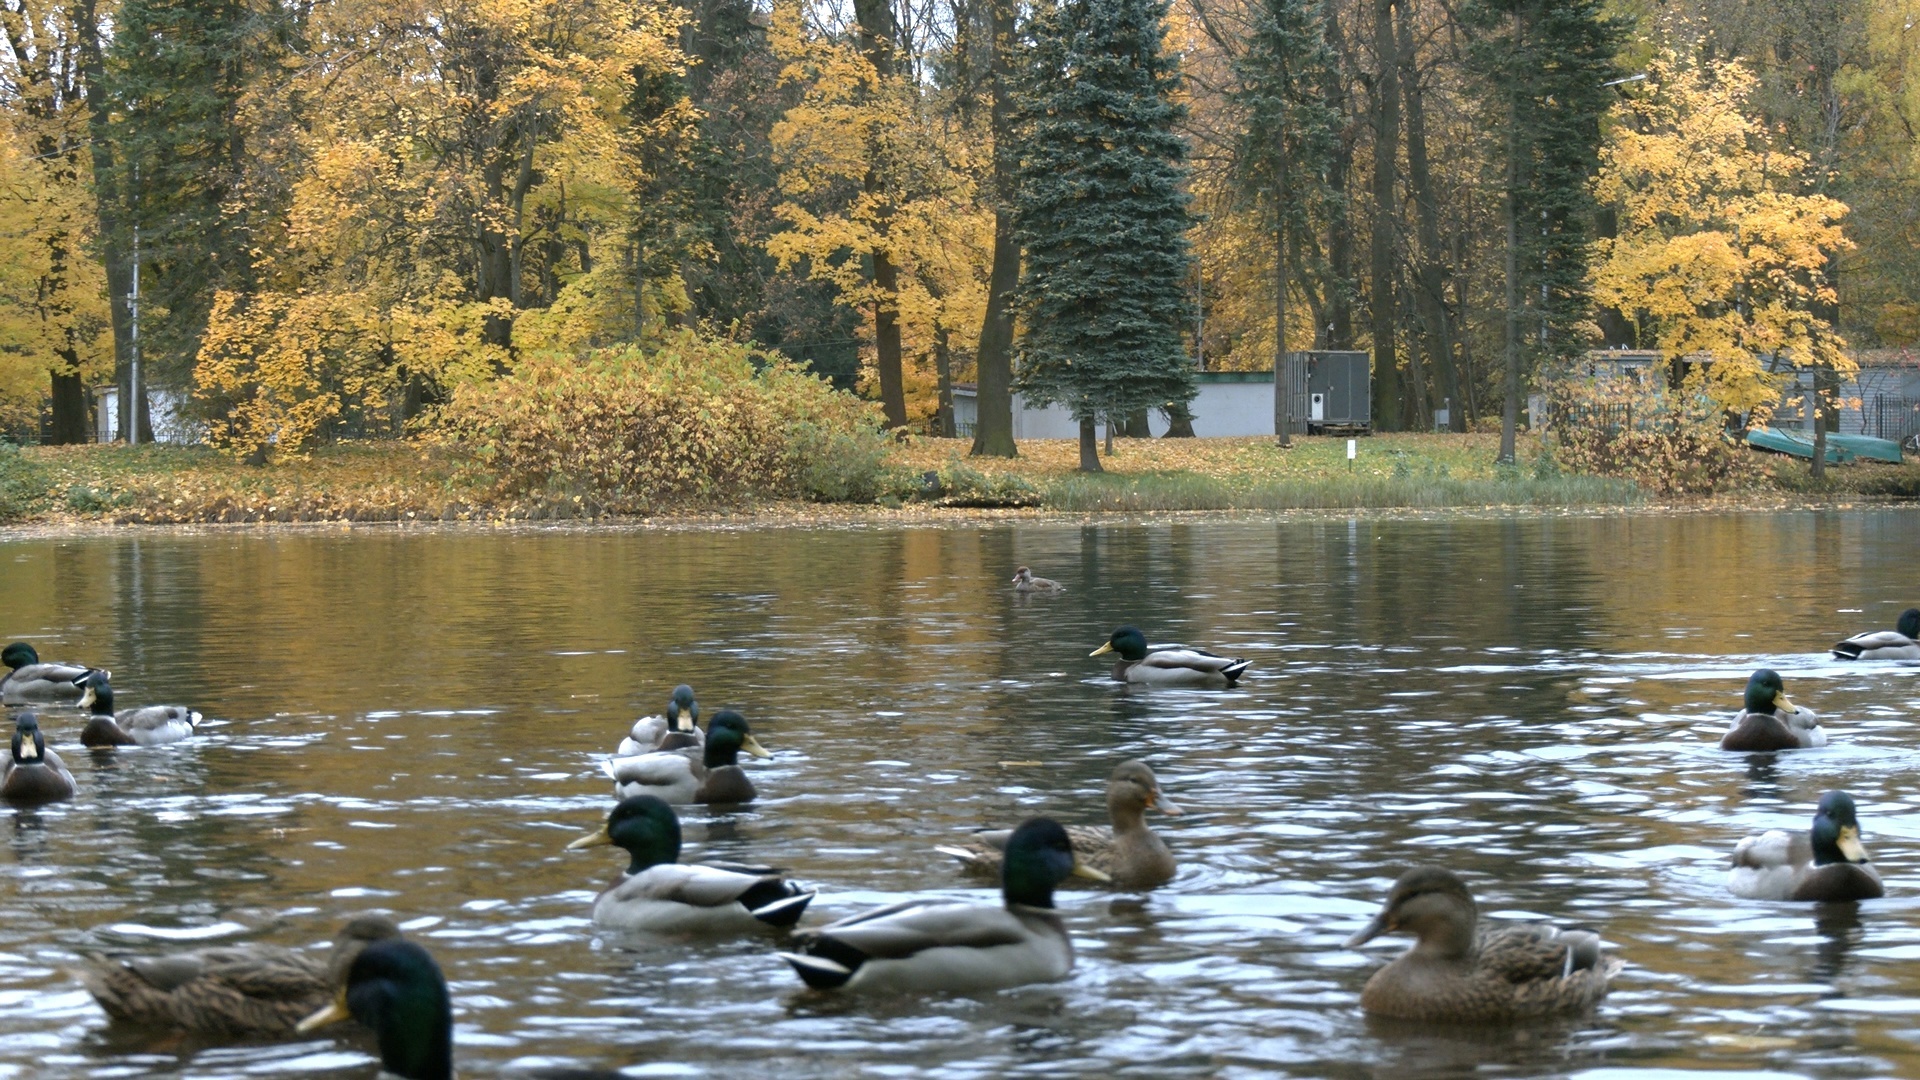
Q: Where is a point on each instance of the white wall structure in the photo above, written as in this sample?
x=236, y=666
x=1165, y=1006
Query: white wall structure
x=163, y=413
x=1230, y=403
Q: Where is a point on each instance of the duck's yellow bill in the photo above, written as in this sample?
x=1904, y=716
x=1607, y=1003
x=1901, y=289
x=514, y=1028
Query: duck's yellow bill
x=752, y=746
x=597, y=838
x=1102, y=650
x=1781, y=704
x=335, y=1012
x=1160, y=802
x=1081, y=869
x=1850, y=846
x=88, y=697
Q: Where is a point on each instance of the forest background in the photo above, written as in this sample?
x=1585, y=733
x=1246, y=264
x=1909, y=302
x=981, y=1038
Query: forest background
x=346, y=214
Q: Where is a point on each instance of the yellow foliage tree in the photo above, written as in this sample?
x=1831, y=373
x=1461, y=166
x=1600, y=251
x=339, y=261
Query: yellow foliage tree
x=868, y=166
x=53, y=297
x=444, y=140
x=1721, y=254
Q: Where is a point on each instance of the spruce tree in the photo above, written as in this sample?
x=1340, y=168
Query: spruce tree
x=176, y=74
x=1283, y=151
x=1546, y=64
x=1101, y=213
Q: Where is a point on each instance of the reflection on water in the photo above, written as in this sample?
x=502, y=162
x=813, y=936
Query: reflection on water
x=413, y=721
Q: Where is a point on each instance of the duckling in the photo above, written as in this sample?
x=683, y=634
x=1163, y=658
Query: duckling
x=1459, y=973
x=674, y=778
x=34, y=773
x=677, y=729
x=1168, y=666
x=1771, y=722
x=231, y=990
x=1900, y=643
x=921, y=945
x=33, y=681
x=1128, y=852
x=149, y=725
x=658, y=893
x=395, y=989
x=1827, y=864
x=1024, y=581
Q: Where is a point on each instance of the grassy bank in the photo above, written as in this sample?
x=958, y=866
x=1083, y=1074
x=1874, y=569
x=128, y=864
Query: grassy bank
x=420, y=482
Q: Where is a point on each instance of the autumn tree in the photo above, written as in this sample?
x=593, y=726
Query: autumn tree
x=1721, y=251
x=1288, y=137
x=1546, y=65
x=1102, y=216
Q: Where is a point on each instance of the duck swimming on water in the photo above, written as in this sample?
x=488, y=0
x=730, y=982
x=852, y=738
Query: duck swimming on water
x=1169, y=666
x=1770, y=722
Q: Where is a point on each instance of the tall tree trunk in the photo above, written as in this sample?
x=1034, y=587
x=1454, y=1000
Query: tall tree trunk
x=1179, y=421
x=993, y=424
x=1338, y=329
x=1510, y=411
x=878, y=39
x=1431, y=292
x=1383, y=311
x=106, y=201
x=69, y=404
x=1089, y=447
x=943, y=368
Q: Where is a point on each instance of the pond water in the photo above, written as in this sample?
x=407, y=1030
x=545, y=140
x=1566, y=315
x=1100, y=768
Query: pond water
x=412, y=720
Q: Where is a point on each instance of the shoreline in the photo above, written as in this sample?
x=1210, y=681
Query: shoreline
x=784, y=515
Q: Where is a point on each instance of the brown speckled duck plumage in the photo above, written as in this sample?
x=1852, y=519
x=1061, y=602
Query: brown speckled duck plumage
x=1127, y=851
x=1459, y=972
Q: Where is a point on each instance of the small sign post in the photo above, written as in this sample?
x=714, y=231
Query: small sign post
x=1353, y=451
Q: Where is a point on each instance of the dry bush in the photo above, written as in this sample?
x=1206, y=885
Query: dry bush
x=690, y=421
x=1669, y=444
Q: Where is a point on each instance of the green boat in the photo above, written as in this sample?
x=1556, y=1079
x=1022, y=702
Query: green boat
x=1867, y=446
x=1796, y=444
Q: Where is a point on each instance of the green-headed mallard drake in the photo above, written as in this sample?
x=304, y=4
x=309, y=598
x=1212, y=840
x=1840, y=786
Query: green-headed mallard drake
x=34, y=681
x=676, y=729
x=230, y=990
x=1168, y=666
x=148, y=725
x=1827, y=863
x=661, y=894
x=1024, y=581
x=672, y=777
x=1459, y=973
x=34, y=773
x=1900, y=643
x=394, y=989
x=942, y=945
x=1127, y=851
x=1771, y=722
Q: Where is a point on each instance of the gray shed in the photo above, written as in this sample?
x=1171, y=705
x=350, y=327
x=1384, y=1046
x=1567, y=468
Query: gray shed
x=1331, y=392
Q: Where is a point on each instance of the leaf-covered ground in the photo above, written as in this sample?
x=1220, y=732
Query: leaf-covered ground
x=405, y=481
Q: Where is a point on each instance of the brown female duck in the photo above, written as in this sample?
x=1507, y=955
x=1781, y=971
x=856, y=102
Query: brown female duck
x=1459, y=973
x=230, y=990
x=1127, y=851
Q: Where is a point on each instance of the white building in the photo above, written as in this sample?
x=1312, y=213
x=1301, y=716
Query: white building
x=1229, y=403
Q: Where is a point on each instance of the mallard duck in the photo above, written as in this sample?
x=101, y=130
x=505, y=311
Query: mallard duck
x=1024, y=581
x=1900, y=643
x=33, y=681
x=149, y=725
x=661, y=894
x=394, y=989
x=1458, y=972
x=676, y=729
x=673, y=777
x=943, y=945
x=1827, y=863
x=1771, y=722
x=1128, y=852
x=34, y=773
x=230, y=990
x=1168, y=666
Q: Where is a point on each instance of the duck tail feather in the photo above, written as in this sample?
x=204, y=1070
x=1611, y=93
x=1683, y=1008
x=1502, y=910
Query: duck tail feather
x=1846, y=650
x=818, y=972
x=785, y=911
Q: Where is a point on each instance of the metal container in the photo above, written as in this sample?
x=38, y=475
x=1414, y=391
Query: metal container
x=1331, y=392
